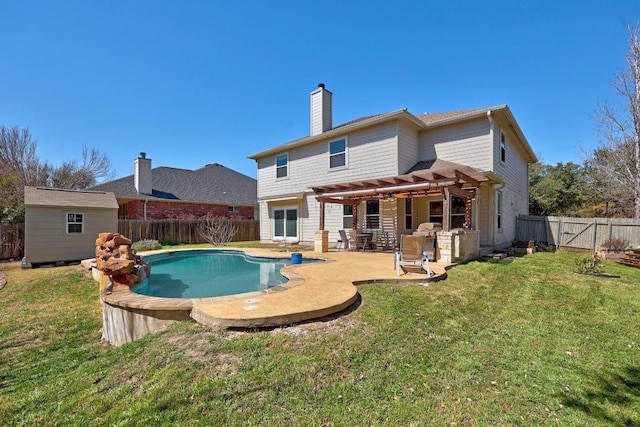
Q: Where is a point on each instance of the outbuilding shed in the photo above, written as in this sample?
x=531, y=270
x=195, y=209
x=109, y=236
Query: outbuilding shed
x=61, y=226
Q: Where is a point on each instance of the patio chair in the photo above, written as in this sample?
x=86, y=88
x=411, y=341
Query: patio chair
x=410, y=258
x=346, y=242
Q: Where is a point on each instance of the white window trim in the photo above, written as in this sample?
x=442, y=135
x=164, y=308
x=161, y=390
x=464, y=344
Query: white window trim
x=285, y=208
x=287, y=166
x=346, y=154
x=67, y=223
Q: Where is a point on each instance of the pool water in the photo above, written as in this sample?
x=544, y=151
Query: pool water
x=202, y=274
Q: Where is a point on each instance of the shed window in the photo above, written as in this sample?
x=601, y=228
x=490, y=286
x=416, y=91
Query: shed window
x=75, y=223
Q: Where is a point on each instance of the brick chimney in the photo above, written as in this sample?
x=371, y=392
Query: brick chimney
x=142, y=174
x=321, y=110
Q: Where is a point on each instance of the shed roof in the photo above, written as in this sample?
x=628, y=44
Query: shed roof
x=43, y=196
x=213, y=183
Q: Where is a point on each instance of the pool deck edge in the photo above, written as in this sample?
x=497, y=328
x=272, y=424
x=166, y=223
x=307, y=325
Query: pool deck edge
x=314, y=290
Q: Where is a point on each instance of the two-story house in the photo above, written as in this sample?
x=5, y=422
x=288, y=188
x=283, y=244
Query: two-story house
x=467, y=170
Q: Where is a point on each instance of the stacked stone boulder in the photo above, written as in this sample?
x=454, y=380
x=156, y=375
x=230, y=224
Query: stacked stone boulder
x=117, y=262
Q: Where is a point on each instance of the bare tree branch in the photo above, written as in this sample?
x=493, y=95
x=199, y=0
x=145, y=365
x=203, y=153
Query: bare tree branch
x=616, y=158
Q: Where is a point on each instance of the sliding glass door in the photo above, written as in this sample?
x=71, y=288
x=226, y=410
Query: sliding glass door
x=285, y=224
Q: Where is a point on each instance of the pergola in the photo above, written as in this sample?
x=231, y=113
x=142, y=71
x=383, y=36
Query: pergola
x=454, y=180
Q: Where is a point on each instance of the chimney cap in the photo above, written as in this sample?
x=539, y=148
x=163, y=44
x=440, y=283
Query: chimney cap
x=321, y=85
x=143, y=155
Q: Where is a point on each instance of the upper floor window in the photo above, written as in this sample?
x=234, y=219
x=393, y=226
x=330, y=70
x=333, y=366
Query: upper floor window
x=503, y=147
x=338, y=153
x=282, y=164
x=75, y=223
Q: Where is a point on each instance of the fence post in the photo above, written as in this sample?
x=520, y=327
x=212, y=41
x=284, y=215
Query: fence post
x=595, y=234
x=559, y=232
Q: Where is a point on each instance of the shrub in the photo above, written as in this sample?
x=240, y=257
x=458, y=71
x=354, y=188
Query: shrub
x=616, y=244
x=168, y=242
x=217, y=231
x=146, y=245
x=591, y=264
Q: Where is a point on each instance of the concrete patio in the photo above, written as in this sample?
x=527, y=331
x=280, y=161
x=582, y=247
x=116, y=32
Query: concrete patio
x=314, y=290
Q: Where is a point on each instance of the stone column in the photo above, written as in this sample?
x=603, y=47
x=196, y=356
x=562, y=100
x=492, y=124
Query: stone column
x=321, y=241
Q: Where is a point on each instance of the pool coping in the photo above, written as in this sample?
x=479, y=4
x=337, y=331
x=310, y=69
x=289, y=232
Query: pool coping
x=314, y=290
x=123, y=296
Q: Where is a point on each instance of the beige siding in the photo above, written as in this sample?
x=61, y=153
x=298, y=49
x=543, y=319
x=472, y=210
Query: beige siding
x=514, y=170
x=466, y=143
x=46, y=239
x=486, y=217
x=408, y=148
x=371, y=153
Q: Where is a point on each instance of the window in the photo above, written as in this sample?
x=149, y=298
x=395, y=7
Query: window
x=347, y=216
x=234, y=209
x=499, y=210
x=503, y=147
x=285, y=224
x=75, y=223
x=458, y=211
x=372, y=219
x=436, y=211
x=282, y=162
x=408, y=214
x=338, y=153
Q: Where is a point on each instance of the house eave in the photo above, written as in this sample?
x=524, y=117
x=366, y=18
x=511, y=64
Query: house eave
x=341, y=130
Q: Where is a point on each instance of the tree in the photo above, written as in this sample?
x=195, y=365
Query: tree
x=616, y=158
x=20, y=166
x=557, y=190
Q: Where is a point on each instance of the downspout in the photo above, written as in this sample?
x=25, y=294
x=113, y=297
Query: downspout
x=145, y=209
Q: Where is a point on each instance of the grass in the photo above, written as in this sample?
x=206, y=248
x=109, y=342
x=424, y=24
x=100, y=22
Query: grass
x=522, y=343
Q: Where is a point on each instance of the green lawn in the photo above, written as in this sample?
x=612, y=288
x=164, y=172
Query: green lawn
x=522, y=343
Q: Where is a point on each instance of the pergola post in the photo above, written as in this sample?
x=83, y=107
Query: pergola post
x=355, y=216
x=321, y=215
x=446, y=209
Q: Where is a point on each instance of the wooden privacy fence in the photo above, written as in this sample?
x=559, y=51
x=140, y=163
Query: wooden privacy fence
x=182, y=230
x=11, y=241
x=578, y=233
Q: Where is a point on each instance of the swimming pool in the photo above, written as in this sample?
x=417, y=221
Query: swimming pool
x=210, y=273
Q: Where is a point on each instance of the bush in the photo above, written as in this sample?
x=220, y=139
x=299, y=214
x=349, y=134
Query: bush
x=591, y=264
x=168, y=242
x=146, y=245
x=616, y=244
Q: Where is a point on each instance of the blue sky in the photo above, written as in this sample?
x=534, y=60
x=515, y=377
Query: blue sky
x=198, y=82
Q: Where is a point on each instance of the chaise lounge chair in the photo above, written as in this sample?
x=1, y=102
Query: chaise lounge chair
x=410, y=258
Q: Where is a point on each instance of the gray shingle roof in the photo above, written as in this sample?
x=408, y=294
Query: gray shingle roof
x=41, y=196
x=213, y=183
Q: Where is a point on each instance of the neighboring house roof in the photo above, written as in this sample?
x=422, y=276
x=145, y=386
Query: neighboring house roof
x=41, y=196
x=423, y=121
x=213, y=183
